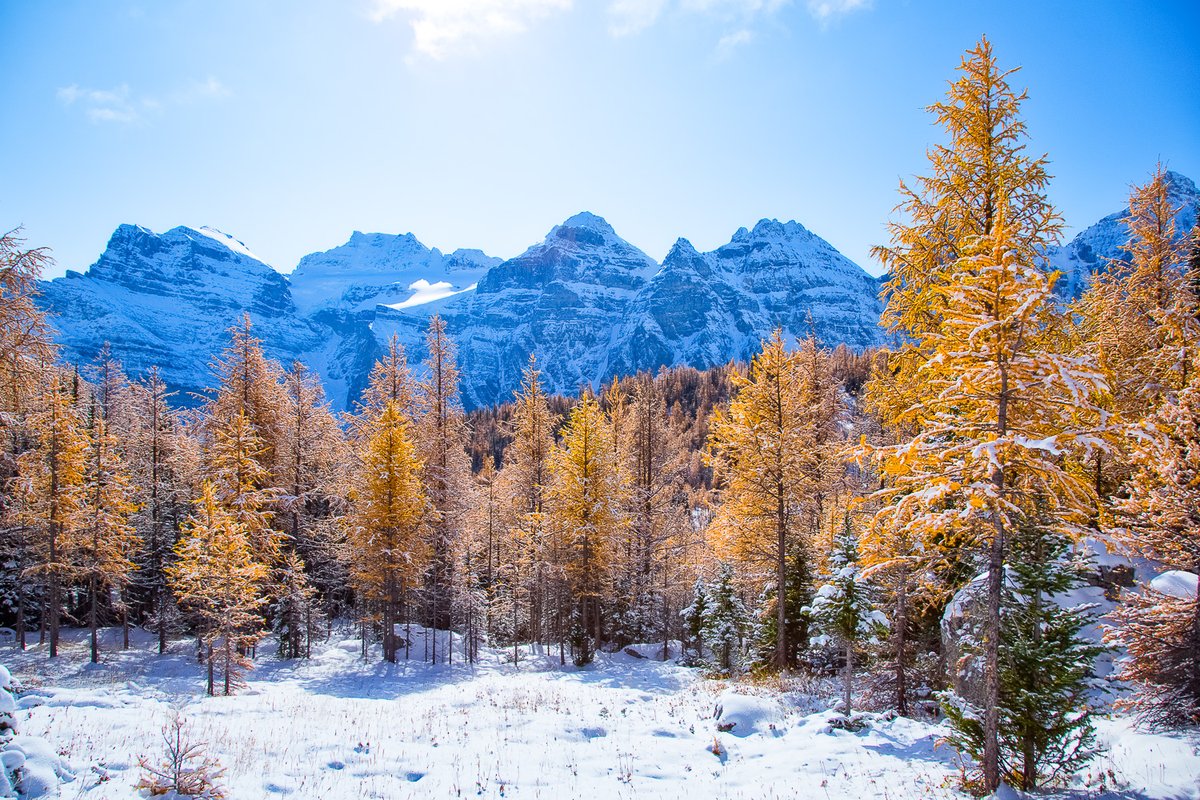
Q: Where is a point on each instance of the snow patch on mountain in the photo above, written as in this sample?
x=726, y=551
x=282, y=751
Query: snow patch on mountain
x=381, y=269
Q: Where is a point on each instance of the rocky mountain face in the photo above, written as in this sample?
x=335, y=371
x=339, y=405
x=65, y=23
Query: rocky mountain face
x=167, y=300
x=704, y=309
x=586, y=302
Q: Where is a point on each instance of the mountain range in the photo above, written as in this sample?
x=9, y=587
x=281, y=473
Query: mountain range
x=589, y=304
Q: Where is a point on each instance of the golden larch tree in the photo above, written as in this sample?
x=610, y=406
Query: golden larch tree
x=387, y=521
x=216, y=579
x=108, y=539
x=586, y=499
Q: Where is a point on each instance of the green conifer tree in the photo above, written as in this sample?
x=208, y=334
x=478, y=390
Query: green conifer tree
x=1046, y=732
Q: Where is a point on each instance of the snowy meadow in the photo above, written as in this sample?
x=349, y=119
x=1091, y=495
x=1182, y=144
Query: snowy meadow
x=625, y=727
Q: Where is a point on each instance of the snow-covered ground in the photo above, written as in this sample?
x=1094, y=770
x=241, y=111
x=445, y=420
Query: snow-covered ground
x=337, y=728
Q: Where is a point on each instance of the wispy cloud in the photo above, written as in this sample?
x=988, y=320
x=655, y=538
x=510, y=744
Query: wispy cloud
x=123, y=106
x=632, y=16
x=825, y=11
x=741, y=18
x=732, y=41
x=743, y=8
x=443, y=27
x=101, y=105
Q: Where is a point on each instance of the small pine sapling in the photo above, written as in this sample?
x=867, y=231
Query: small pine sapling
x=693, y=620
x=843, y=610
x=725, y=620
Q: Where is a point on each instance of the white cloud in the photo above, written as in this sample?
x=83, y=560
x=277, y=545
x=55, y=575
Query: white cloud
x=101, y=105
x=121, y=105
x=632, y=16
x=741, y=9
x=827, y=10
x=732, y=41
x=208, y=89
x=441, y=27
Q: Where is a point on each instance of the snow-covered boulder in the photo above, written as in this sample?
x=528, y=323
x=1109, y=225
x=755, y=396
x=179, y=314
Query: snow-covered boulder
x=29, y=766
x=962, y=633
x=745, y=714
x=1176, y=583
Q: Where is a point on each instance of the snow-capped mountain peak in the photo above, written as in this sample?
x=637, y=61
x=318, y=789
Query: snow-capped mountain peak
x=224, y=238
x=591, y=304
x=1096, y=246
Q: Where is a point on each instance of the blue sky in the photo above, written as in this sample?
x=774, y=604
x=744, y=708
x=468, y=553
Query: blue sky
x=482, y=123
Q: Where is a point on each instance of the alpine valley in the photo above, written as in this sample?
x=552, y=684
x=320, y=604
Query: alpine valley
x=587, y=303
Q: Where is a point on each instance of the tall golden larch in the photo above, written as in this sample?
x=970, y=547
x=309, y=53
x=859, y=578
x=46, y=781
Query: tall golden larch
x=387, y=521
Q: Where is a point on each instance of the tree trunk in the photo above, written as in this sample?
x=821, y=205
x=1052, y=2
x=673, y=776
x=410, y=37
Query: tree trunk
x=991, y=720
x=211, y=691
x=92, y=625
x=1196, y=642
x=901, y=634
x=849, y=688
x=780, y=582
x=228, y=663
x=54, y=599
x=21, y=614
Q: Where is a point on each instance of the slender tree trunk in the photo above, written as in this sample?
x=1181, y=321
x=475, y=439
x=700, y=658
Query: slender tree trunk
x=849, y=687
x=92, y=621
x=54, y=599
x=211, y=691
x=666, y=614
x=991, y=720
x=1196, y=641
x=901, y=635
x=21, y=614
x=228, y=663
x=780, y=582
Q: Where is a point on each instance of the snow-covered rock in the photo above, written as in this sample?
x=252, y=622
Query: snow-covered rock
x=1176, y=583
x=29, y=766
x=745, y=714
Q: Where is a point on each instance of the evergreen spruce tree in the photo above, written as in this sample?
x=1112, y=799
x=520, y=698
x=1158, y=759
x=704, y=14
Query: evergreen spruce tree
x=693, y=618
x=726, y=621
x=798, y=593
x=843, y=610
x=1046, y=732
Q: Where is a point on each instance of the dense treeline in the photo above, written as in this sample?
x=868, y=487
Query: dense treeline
x=812, y=510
